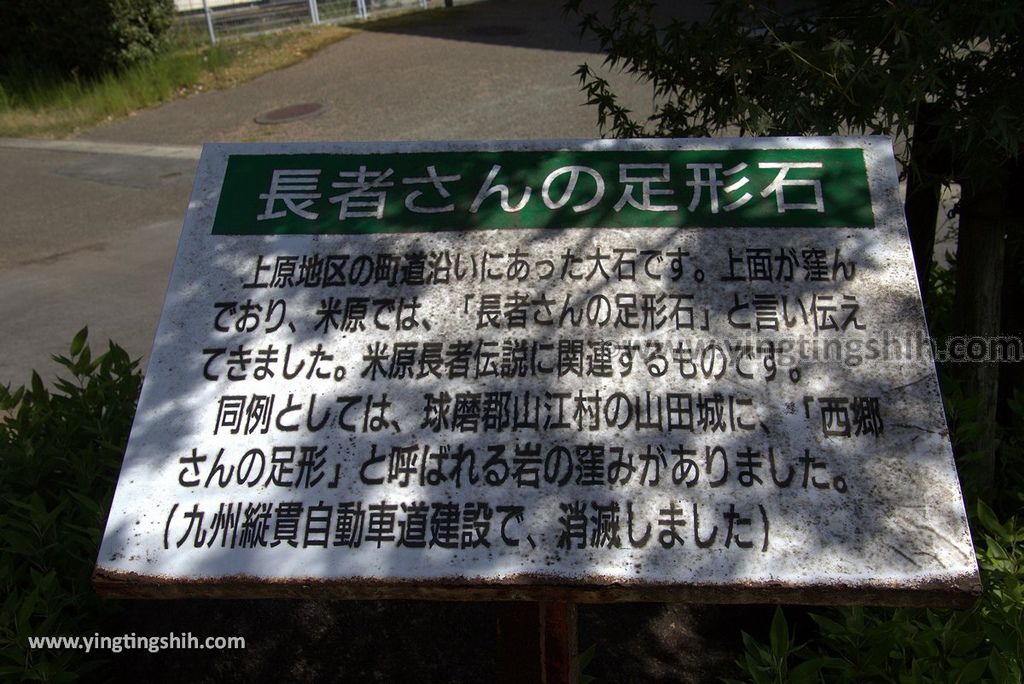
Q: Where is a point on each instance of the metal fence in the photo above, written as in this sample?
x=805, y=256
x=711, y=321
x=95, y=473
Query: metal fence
x=213, y=20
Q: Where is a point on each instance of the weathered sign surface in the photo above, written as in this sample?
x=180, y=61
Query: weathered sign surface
x=605, y=370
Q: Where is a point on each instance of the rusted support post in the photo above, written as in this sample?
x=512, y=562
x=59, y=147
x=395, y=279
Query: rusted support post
x=537, y=642
x=560, y=642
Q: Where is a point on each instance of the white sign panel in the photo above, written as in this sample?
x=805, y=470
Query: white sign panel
x=604, y=370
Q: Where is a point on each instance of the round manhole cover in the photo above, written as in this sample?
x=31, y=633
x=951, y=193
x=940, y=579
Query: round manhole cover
x=293, y=112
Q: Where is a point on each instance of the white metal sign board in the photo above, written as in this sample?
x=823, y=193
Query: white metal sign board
x=597, y=370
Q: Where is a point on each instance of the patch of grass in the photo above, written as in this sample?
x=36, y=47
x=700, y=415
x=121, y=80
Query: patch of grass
x=35, y=104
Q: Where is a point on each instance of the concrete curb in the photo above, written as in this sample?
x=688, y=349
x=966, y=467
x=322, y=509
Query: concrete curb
x=92, y=147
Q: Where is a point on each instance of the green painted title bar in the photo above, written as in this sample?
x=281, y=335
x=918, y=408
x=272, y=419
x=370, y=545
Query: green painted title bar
x=278, y=194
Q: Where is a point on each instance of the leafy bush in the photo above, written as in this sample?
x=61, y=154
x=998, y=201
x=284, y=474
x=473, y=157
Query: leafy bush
x=86, y=37
x=60, y=452
x=913, y=645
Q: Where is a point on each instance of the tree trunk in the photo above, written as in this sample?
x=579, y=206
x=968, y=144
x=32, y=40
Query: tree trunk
x=979, y=279
x=924, y=177
x=1011, y=375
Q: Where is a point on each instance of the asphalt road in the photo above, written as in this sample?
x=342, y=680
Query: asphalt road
x=88, y=227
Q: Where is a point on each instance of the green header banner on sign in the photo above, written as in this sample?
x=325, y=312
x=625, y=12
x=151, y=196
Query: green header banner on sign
x=302, y=194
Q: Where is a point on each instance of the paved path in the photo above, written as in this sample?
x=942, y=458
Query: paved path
x=500, y=69
x=89, y=226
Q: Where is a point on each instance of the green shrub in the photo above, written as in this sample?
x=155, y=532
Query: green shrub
x=60, y=452
x=985, y=643
x=85, y=37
